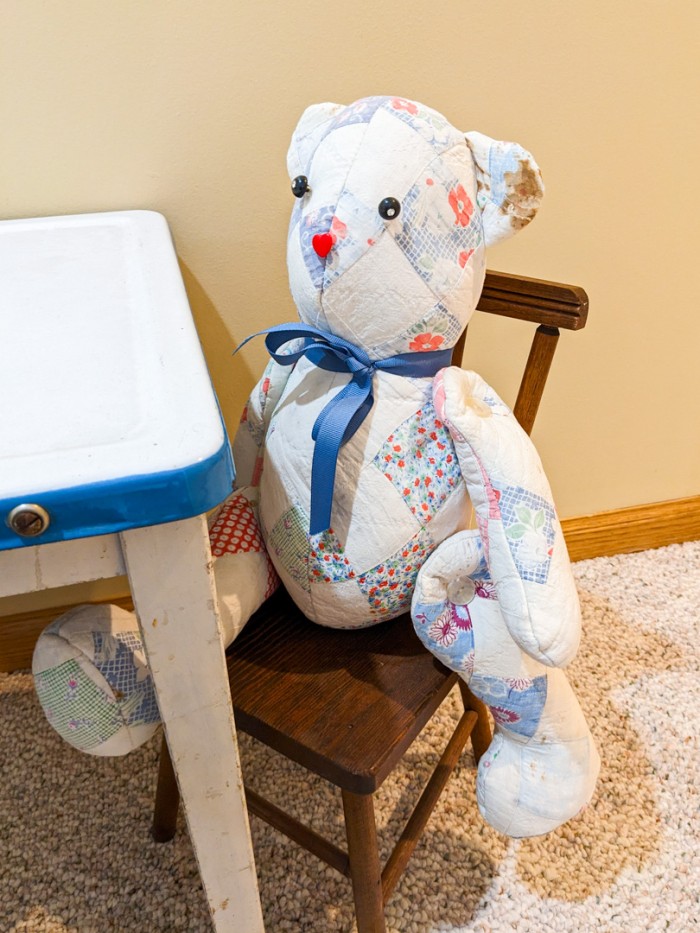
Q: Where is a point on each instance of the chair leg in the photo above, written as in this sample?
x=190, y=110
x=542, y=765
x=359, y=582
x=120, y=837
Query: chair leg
x=167, y=799
x=481, y=735
x=365, y=870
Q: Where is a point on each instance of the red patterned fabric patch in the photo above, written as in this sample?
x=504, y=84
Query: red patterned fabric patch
x=389, y=586
x=235, y=529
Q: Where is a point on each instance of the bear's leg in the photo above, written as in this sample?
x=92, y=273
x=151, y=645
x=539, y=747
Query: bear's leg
x=89, y=665
x=243, y=572
x=541, y=767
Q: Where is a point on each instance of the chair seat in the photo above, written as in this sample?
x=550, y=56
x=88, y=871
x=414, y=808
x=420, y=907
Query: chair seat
x=344, y=704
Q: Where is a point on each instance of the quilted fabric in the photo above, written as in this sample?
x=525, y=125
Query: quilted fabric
x=426, y=267
x=243, y=571
x=496, y=604
x=499, y=606
x=408, y=284
x=398, y=493
x=92, y=682
x=89, y=665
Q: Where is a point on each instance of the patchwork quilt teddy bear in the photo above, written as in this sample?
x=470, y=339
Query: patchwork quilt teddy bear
x=362, y=452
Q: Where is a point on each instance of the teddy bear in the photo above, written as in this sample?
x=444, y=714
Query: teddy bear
x=366, y=449
x=362, y=453
x=358, y=478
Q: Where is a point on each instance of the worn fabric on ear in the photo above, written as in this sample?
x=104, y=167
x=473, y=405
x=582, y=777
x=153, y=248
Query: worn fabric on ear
x=510, y=187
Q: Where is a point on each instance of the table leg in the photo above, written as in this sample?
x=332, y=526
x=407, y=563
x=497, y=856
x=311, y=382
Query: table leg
x=169, y=568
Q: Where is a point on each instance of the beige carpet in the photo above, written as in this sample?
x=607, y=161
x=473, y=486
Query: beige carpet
x=75, y=852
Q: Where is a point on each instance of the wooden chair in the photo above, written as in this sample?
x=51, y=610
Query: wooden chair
x=347, y=705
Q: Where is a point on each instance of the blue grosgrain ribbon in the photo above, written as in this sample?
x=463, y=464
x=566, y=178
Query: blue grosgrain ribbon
x=346, y=411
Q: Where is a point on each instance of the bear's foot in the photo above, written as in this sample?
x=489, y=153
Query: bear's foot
x=528, y=788
x=244, y=574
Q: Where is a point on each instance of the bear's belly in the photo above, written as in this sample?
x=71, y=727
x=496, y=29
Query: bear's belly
x=398, y=493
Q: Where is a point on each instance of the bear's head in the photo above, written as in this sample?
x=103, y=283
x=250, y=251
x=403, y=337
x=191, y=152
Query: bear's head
x=394, y=209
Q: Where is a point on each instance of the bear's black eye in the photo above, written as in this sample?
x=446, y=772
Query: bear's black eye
x=389, y=208
x=300, y=186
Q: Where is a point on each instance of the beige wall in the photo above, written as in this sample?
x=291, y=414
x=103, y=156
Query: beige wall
x=187, y=107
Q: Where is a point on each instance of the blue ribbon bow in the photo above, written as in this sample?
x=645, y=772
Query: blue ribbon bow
x=346, y=411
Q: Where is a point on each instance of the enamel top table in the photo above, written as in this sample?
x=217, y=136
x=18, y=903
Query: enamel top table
x=112, y=449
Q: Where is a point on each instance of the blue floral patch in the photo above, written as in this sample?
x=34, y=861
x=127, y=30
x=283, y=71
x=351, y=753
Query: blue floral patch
x=421, y=462
x=439, y=228
x=389, y=585
x=528, y=520
x=327, y=560
x=516, y=703
x=446, y=631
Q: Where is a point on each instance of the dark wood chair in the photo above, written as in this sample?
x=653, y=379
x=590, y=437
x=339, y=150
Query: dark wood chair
x=347, y=705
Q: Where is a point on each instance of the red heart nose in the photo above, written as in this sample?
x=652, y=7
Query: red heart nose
x=323, y=244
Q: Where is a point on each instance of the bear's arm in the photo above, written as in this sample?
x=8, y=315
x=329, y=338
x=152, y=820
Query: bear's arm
x=249, y=442
x=522, y=537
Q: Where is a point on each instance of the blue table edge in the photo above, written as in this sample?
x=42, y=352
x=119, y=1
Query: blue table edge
x=120, y=504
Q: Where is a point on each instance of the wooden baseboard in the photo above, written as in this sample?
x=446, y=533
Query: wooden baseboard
x=18, y=633
x=604, y=534
x=640, y=528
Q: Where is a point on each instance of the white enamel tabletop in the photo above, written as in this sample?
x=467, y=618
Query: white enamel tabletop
x=102, y=375
x=103, y=381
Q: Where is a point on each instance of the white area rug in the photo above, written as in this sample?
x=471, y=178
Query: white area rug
x=76, y=855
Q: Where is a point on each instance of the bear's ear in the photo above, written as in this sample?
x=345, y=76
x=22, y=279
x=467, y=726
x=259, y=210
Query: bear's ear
x=307, y=135
x=509, y=186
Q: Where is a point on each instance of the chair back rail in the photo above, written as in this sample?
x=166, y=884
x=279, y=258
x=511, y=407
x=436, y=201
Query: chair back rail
x=534, y=300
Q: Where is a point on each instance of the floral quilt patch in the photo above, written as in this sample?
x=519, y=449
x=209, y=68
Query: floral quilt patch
x=83, y=714
x=446, y=630
x=389, y=585
x=437, y=330
x=421, y=462
x=516, y=703
x=528, y=521
x=440, y=230
x=327, y=560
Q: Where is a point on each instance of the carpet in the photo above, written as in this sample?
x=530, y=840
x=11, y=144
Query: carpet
x=76, y=855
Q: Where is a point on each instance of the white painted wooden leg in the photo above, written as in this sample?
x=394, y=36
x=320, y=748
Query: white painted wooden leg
x=169, y=569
